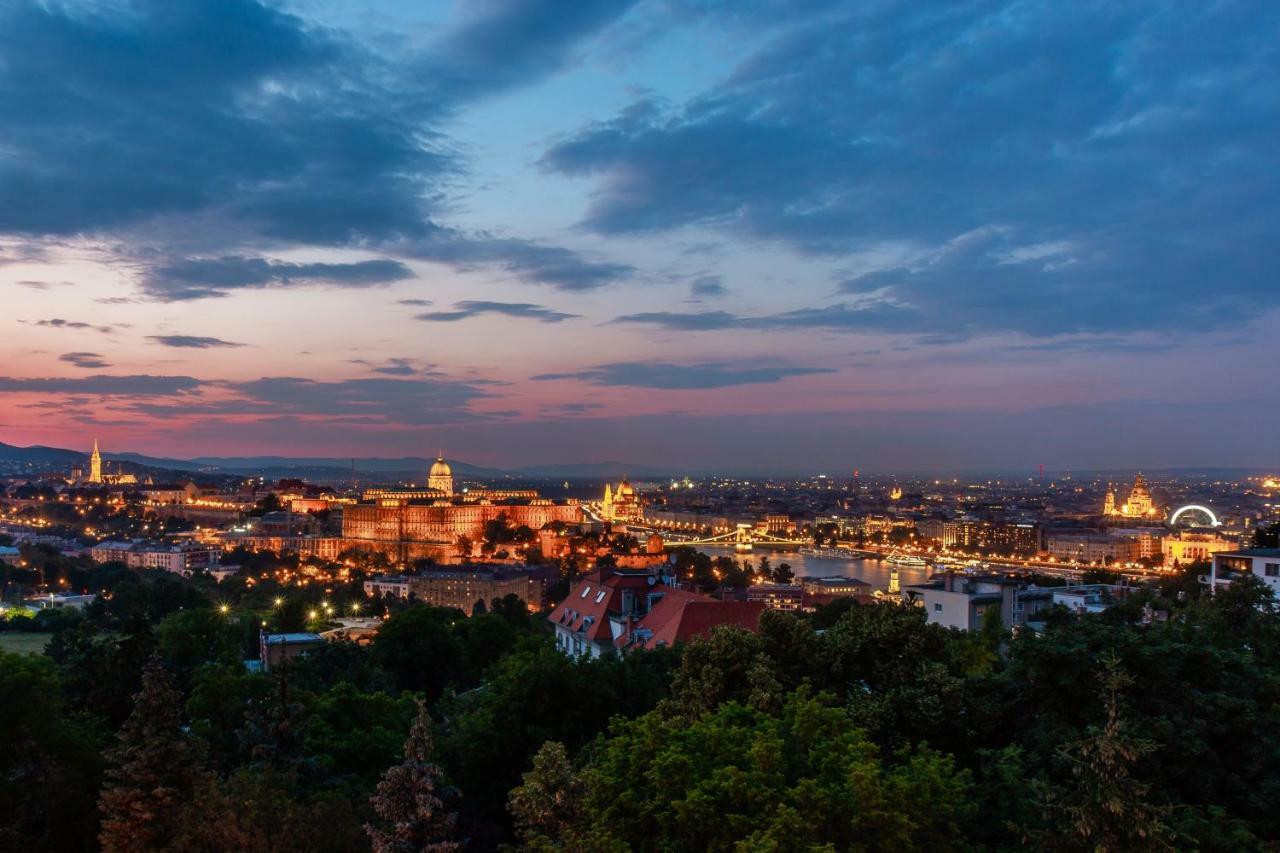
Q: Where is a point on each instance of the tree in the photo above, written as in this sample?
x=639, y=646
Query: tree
x=1104, y=807
x=419, y=649
x=550, y=801
x=49, y=763
x=801, y=779
x=411, y=802
x=152, y=773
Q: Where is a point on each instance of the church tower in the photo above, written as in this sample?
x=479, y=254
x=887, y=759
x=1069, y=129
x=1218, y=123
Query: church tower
x=1109, y=503
x=95, y=464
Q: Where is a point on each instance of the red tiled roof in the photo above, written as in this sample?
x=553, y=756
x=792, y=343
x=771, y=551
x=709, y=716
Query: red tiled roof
x=677, y=617
x=680, y=616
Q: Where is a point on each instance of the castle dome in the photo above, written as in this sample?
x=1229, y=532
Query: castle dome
x=440, y=468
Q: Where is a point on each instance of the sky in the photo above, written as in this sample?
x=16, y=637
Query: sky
x=774, y=235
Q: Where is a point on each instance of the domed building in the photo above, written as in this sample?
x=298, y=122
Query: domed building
x=1139, y=504
x=440, y=477
x=622, y=503
x=416, y=522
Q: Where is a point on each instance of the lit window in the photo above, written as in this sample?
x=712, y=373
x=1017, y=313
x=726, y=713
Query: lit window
x=585, y=590
x=600, y=594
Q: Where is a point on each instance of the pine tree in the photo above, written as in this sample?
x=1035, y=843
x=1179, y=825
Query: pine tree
x=1104, y=808
x=153, y=770
x=550, y=800
x=411, y=801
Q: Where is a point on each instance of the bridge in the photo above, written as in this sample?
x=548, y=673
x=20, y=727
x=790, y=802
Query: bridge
x=743, y=538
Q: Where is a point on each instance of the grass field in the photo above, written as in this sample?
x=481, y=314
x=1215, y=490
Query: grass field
x=23, y=642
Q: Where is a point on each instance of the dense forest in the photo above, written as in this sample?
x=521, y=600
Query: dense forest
x=854, y=728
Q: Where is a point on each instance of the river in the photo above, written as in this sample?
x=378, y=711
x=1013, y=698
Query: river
x=874, y=572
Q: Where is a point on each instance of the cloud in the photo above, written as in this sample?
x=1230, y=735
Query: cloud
x=396, y=367
x=471, y=308
x=420, y=401
x=707, y=287
x=417, y=302
x=683, y=376
x=695, y=321
x=87, y=360
x=559, y=409
x=231, y=123
x=142, y=385
x=839, y=317
x=42, y=285
x=1039, y=169
x=59, y=323
x=529, y=262
x=191, y=341
x=507, y=43
x=196, y=278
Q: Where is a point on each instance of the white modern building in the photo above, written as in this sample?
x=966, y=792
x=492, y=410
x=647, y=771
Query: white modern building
x=963, y=601
x=1262, y=563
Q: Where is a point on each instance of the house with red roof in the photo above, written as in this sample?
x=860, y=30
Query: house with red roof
x=622, y=609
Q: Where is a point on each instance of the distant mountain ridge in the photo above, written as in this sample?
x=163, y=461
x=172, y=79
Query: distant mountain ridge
x=317, y=467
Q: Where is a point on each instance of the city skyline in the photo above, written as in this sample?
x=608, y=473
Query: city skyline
x=747, y=236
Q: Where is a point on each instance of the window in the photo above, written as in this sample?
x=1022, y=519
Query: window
x=600, y=596
x=937, y=607
x=1273, y=570
x=585, y=590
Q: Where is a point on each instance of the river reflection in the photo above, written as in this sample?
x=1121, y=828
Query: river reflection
x=874, y=572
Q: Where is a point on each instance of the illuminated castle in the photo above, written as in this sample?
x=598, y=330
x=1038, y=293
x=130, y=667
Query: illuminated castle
x=428, y=522
x=1139, y=504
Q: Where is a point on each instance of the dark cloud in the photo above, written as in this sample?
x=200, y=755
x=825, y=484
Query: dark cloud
x=418, y=302
x=556, y=409
x=42, y=285
x=193, y=127
x=420, y=401
x=87, y=360
x=59, y=323
x=683, y=376
x=104, y=385
x=191, y=341
x=1040, y=167
x=839, y=317
x=707, y=287
x=396, y=367
x=197, y=278
x=696, y=321
x=529, y=262
x=471, y=308
x=507, y=43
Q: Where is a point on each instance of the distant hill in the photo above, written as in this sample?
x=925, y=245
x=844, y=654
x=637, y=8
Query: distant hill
x=38, y=455
x=332, y=468
x=404, y=465
x=594, y=470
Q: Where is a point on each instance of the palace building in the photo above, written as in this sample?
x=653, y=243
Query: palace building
x=1139, y=504
x=412, y=523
